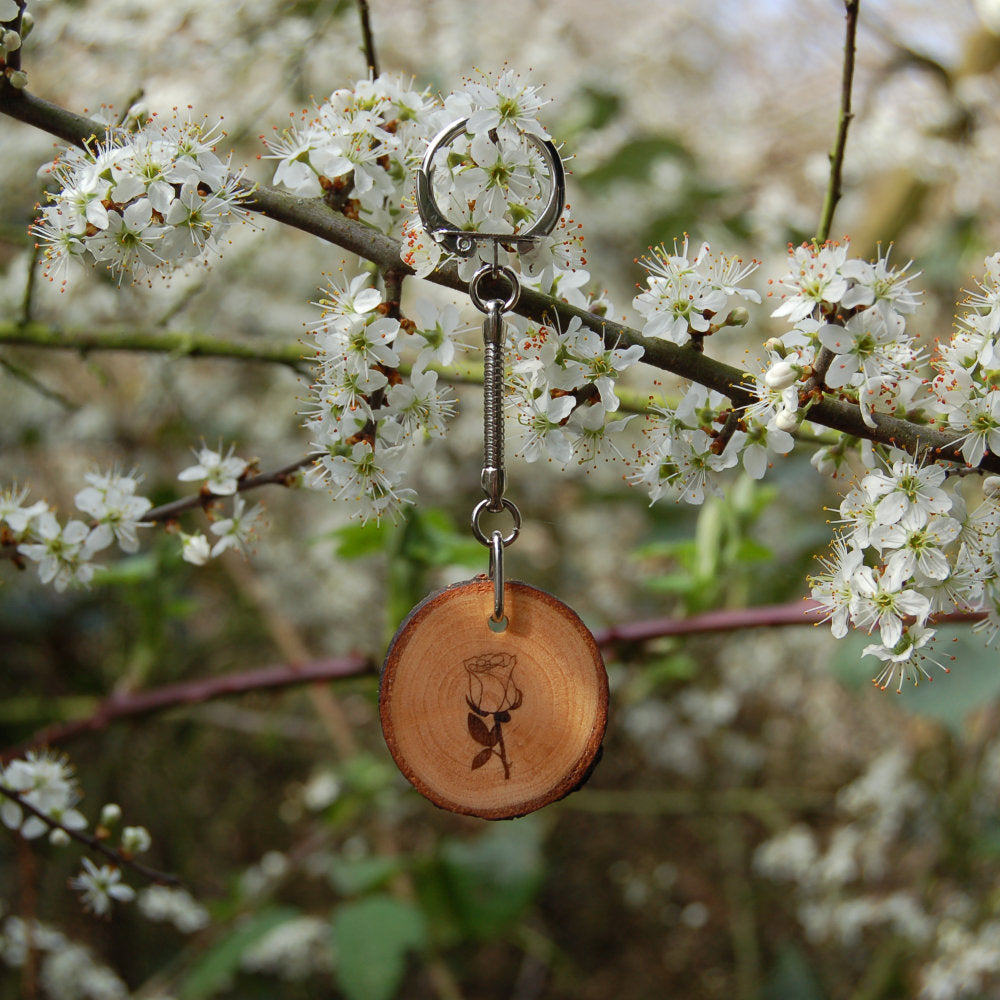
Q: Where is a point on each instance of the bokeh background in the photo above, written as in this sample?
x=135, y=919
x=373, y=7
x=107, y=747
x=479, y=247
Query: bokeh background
x=764, y=824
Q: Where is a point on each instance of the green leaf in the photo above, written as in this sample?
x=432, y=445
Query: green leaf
x=351, y=877
x=215, y=969
x=372, y=938
x=750, y=551
x=431, y=538
x=490, y=880
x=792, y=978
x=354, y=541
x=635, y=161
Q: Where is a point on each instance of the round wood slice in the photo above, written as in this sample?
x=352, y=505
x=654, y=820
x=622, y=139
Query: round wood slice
x=493, y=723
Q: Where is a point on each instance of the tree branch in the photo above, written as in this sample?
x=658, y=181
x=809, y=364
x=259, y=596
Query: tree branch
x=132, y=705
x=137, y=704
x=368, y=39
x=833, y=190
x=193, y=345
x=174, y=509
x=90, y=842
x=311, y=215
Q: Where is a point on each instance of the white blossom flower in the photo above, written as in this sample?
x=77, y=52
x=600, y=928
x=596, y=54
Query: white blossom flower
x=100, y=886
x=879, y=603
x=235, y=531
x=875, y=285
x=916, y=549
x=437, y=329
x=420, y=405
x=591, y=433
x=909, y=492
x=833, y=589
x=506, y=105
x=195, y=549
x=367, y=475
x=44, y=780
x=117, y=511
x=219, y=473
x=14, y=514
x=905, y=660
x=814, y=277
x=135, y=840
x=543, y=419
x=176, y=906
x=60, y=551
x=591, y=362
x=979, y=416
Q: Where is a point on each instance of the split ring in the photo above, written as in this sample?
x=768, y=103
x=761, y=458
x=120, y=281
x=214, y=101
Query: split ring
x=484, y=505
x=462, y=243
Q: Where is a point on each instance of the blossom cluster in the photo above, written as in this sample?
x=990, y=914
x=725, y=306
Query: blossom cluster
x=219, y=475
x=64, y=552
x=139, y=199
x=687, y=447
x=361, y=148
x=38, y=795
x=913, y=541
x=364, y=413
x=44, y=781
x=65, y=967
x=563, y=391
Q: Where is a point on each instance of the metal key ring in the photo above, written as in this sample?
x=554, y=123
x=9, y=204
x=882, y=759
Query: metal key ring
x=484, y=505
x=463, y=242
x=491, y=273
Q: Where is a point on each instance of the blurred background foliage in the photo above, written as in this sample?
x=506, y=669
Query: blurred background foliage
x=678, y=871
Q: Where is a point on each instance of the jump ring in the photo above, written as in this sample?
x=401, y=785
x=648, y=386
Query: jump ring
x=483, y=505
x=496, y=273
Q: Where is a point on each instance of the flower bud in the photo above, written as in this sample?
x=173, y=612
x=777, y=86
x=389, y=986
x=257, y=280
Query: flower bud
x=781, y=375
x=773, y=345
x=738, y=317
x=136, y=840
x=17, y=78
x=27, y=23
x=138, y=113
x=195, y=549
x=111, y=814
x=823, y=462
x=11, y=41
x=59, y=838
x=786, y=420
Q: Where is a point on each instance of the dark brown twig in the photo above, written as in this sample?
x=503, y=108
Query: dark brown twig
x=368, y=39
x=90, y=842
x=834, y=186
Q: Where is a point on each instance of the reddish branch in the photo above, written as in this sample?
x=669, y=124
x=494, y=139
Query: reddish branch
x=133, y=705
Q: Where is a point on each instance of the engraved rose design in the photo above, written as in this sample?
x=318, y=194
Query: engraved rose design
x=493, y=694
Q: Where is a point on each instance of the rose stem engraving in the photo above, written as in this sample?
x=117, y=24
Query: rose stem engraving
x=492, y=692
